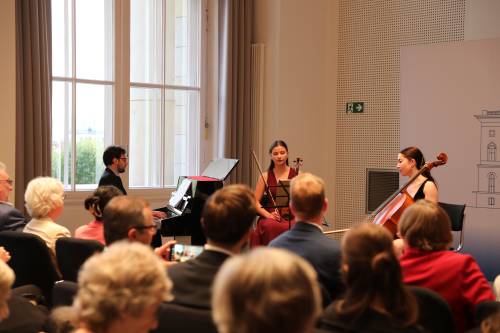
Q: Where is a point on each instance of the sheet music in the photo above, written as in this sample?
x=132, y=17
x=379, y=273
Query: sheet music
x=181, y=191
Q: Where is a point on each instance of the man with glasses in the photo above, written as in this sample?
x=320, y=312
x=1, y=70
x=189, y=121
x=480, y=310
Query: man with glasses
x=10, y=217
x=131, y=218
x=115, y=160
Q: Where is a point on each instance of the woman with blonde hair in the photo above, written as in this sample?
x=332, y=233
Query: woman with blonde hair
x=426, y=262
x=376, y=300
x=266, y=291
x=120, y=290
x=44, y=198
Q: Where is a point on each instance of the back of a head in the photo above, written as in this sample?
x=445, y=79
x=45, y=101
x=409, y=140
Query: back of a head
x=96, y=202
x=372, y=274
x=121, y=214
x=426, y=226
x=42, y=195
x=6, y=280
x=124, y=279
x=307, y=195
x=112, y=152
x=264, y=291
x=228, y=214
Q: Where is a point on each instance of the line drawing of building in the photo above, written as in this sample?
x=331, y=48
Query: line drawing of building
x=488, y=170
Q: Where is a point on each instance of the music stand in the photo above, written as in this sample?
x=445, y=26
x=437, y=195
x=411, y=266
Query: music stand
x=282, y=197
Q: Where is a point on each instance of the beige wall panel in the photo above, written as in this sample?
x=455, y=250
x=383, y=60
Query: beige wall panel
x=370, y=37
x=8, y=85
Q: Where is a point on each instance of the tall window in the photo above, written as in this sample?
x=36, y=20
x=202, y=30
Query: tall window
x=491, y=182
x=492, y=151
x=163, y=80
x=164, y=90
x=82, y=89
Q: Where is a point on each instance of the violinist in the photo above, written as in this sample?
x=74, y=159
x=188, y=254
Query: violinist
x=272, y=221
x=410, y=161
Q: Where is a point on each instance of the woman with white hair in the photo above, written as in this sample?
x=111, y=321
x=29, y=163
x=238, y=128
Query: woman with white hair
x=266, y=291
x=44, y=198
x=120, y=290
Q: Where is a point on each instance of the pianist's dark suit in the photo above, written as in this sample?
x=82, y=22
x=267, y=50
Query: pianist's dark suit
x=109, y=178
x=323, y=253
x=11, y=218
x=193, y=279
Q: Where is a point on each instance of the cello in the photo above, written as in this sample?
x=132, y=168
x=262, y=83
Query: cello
x=389, y=212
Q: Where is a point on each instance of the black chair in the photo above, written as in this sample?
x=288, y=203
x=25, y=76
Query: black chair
x=175, y=318
x=71, y=254
x=434, y=312
x=31, y=260
x=63, y=293
x=457, y=215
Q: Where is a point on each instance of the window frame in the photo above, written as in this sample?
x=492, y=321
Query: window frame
x=121, y=98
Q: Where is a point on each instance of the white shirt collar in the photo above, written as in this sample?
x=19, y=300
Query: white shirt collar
x=314, y=224
x=218, y=249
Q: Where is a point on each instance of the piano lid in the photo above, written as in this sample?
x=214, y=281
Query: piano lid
x=220, y=169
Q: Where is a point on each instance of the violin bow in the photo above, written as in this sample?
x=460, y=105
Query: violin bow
x=268, y=191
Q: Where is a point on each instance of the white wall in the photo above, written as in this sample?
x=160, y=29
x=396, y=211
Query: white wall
x=300, y=80
x=8, y=86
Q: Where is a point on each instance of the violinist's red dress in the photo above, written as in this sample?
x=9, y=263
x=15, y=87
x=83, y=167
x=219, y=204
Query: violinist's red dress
x=268, y=229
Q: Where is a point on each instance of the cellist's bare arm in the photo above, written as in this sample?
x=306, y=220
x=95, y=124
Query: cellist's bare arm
x=431, y=192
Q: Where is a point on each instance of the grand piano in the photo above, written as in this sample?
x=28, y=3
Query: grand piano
x=186, y=204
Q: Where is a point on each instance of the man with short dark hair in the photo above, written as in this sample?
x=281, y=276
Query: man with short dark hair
x=131, y=218
x=306, y=239
x=227, y=218
x=115, y=160
x=10, y=217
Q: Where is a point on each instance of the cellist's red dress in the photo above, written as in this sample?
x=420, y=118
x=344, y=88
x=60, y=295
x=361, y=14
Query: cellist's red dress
x=268, y=229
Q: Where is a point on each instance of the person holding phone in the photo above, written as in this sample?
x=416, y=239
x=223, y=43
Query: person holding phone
x=226, y=221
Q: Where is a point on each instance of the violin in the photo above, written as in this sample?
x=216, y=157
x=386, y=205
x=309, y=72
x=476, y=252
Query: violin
x=297, y=164
x=390, y=211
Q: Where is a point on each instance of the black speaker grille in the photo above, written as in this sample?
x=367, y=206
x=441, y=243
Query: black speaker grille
x=380, y=184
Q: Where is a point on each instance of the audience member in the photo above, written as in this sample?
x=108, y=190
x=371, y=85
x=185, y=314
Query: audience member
x=95, y=204
x=375, y=299
x=18, y=314
x=115, y=160
x=308, y=204
x=426, y=262
x=44, y=198
x=266, y=291
x=131, y=218
x=10, y=217
x=226, y=220
x=120, y=290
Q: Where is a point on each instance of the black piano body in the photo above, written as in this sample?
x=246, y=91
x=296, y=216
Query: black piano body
x=187, y=221
x=184, y=218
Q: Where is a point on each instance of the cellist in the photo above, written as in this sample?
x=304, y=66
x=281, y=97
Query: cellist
x=410, y=161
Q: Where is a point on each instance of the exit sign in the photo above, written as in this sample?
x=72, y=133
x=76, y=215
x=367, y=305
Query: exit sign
x=355, y=107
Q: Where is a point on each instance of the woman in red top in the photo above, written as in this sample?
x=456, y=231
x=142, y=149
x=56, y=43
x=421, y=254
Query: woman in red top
x=95, y=204
x=272, y=222
x=426, y=262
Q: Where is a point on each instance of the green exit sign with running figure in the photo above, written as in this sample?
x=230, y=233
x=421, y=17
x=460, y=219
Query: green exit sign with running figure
x=354, y=107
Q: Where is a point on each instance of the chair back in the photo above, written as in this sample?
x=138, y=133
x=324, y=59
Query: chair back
x=63, y=293
x=456, y=213
x=31, y=260
x=434, y=313
x=71, y=254
x=174, y=318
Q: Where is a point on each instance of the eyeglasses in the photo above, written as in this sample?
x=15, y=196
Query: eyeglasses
x=8, y=181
